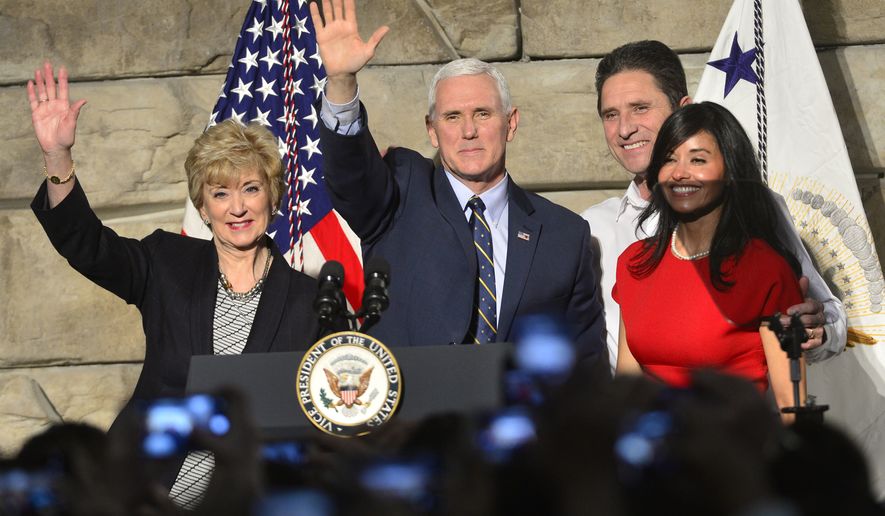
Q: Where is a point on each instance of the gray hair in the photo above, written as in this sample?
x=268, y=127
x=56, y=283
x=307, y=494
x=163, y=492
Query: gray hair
x=468, y=66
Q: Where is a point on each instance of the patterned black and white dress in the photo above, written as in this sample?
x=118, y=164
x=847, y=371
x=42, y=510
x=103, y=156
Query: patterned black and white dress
x=230, y=331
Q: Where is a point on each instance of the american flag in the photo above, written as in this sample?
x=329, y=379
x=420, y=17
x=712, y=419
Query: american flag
x=275, y=77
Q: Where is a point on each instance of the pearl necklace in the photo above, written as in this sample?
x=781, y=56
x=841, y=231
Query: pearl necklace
x=242, y=296
x=681, y=256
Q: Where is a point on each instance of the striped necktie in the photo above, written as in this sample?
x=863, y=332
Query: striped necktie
x=484, y=327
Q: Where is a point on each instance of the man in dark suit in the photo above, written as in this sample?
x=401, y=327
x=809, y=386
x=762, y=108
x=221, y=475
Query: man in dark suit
x=463, y=270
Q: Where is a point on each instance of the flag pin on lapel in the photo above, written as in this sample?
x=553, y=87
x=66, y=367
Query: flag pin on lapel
x=522, y=235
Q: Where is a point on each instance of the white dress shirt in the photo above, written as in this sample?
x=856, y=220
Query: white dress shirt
x=613, y=229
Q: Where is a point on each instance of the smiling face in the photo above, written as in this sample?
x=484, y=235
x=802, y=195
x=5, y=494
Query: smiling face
x=633, y=108
x=471, y=129
x=692, y=177
x=238, y=212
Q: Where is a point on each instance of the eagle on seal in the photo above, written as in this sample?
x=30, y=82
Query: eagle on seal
x=348, y=387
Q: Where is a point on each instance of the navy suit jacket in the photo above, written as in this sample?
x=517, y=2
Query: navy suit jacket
x=404, y=209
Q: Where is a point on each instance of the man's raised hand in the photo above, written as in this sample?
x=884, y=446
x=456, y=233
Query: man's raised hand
x=343, y=51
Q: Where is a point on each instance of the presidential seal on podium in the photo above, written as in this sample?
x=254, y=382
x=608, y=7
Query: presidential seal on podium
x=349, y=384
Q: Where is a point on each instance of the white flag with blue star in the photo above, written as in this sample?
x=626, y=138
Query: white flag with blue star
x=765, y=70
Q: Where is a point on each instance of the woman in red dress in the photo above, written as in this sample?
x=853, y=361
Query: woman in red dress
x=697, y=293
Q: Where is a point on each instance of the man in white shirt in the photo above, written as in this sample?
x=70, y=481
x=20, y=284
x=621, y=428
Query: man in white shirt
x=639, y=85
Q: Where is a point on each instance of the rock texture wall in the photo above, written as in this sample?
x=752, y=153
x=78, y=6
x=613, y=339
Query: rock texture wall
x=151, y=71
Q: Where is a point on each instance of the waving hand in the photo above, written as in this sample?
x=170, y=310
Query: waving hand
x=343, y=51
x=55, y=125
x=53, y=116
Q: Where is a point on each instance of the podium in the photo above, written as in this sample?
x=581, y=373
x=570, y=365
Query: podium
x=435, y=379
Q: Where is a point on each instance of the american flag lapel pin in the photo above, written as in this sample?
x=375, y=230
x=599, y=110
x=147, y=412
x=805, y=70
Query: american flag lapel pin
x=523, y=235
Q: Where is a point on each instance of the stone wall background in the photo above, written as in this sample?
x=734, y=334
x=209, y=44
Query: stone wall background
x=151, y=71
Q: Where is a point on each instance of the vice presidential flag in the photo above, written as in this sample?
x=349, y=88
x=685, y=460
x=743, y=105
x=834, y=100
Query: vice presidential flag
x=765, y=70
x=274, y=79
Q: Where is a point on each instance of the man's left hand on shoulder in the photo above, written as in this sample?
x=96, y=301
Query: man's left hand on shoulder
x=811, y=313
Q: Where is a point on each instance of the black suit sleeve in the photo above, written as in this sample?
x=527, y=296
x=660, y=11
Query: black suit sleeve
x=117, y=264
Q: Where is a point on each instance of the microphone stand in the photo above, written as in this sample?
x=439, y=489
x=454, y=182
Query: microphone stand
x=791, y=339
x=331, y=306
x=370, y=318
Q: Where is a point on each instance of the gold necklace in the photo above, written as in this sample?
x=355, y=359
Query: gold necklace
x=252, y=292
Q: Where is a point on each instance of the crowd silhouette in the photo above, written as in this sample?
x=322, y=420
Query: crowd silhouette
x=560, y=445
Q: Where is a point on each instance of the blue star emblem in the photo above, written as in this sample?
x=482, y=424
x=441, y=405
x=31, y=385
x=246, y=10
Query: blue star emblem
x=738, y=65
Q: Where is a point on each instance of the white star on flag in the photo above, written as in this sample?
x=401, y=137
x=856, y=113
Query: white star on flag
x=318, y=85
x=261, y=117
x=238, y=116
x=302, y=207
x=243, y=90
x=312, y=117
x=296, y=88
x=301, y=26
x=276, y=28
x=316, y=57
x=307, y=177
x=311, y=147
x=270, y=59
x=298, y=56
x=256, y=29
x=267, y=88
x=250, y=60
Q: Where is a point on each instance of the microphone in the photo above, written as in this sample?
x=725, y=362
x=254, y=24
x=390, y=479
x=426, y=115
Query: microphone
x=375, y=298
x=329, y=302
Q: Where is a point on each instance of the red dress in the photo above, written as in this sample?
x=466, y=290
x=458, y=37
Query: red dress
x=676, y=321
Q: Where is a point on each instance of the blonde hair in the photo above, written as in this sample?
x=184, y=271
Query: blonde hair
x=226, y=150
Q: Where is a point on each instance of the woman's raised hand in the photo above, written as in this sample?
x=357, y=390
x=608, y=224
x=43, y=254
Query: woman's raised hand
x=53, y=116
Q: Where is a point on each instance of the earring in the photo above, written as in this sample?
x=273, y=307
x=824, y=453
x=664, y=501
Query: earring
x=206, y=221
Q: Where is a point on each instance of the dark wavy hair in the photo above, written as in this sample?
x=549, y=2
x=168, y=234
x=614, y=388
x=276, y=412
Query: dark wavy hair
x=748, y=206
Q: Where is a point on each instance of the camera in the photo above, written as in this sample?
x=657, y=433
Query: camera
x=169, y=423
x=543, y=357
x=412, y=481
x=506, y=432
